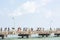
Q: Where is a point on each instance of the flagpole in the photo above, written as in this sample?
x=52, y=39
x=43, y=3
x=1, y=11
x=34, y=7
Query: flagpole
x=51, y=24
x=13, y=21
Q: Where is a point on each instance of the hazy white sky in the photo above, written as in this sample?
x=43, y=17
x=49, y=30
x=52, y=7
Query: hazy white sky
x=30, y=13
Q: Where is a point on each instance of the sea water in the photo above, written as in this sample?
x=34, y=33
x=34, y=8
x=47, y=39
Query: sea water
x=15, y=37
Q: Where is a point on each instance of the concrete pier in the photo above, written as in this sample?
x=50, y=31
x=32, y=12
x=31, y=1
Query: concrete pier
x=28, y=32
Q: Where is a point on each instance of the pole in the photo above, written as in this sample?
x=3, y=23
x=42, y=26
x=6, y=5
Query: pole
x=51, y=24
x=13, y=20
x=14, y=25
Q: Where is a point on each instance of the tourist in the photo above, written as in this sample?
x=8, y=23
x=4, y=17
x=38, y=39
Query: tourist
x=31, y=29
x=18, y=30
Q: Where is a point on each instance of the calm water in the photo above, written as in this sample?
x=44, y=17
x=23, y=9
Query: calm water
x=32, y=38
x=45, y=38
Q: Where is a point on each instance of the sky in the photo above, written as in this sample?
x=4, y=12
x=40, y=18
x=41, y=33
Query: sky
x=30, y=13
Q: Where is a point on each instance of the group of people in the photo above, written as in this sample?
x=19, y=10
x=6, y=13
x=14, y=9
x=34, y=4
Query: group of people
x=10, y=30
x=19, y=29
